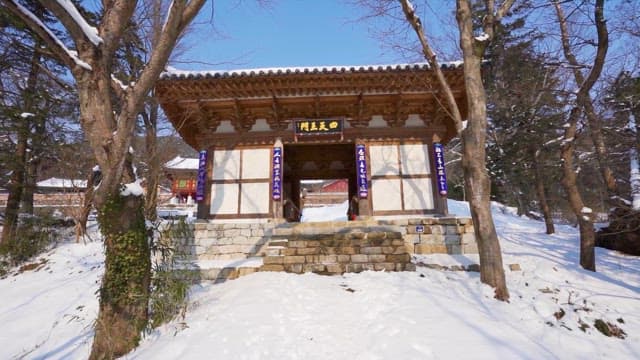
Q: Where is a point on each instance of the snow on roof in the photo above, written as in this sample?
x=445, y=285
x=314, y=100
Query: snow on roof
x=173, y=73
x=62, y=183
x=181, y=163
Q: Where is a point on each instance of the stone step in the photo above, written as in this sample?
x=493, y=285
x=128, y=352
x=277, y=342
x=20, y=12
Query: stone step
x=278, y=243
x=218, y=270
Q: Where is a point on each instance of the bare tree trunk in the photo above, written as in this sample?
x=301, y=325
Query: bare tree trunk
x=583, y=103
x=153, y=159
x=570, y=184
x=16, y=186
x=541, y=193
x=85, y=210
x=583, y=97
x=477, y=182
x=108, y=116
x=26, y=202
x=16, y=183
x=124, y=292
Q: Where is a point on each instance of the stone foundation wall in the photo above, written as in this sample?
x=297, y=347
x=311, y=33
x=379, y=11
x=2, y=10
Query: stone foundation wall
x=447, y=235
x=226, y=241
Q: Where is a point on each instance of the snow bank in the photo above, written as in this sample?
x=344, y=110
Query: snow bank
x=427, y=314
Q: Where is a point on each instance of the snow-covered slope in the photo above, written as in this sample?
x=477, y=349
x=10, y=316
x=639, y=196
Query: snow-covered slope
x=427, y=314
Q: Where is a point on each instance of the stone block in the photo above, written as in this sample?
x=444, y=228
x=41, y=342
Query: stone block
x=343, y=259
x=402, y=258
x=335, y=268
x=409, y=267
x=245, y=232
x=313, y=268
x=231, y=232
x=246, y=270
x=368, y=267
x=389, y=249
x=448, y=220
x=371, y=250
x=470, y=248
x=268, y=260
x=452, y=239
x=359, y=258
x=384, y=266
x=398, y=242
x=465, y=221
x=404, y=249
x=468, y=238
x=346, y=250
x=289, y=251
x=297, y=244
x=431, y=249
x=308, y=251
x=273, y=252
x=454, y=249
x=380, y=258
x=294, y=268
x=272, y=268
x=353, y=268
x=284, y=231
x=469, y=228
x=515, y=267
x=453, y=229
x=437, y=229
x=294, y=259
x=328, y=259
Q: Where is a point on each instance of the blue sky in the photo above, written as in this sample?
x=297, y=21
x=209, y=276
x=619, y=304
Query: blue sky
x=288, y=33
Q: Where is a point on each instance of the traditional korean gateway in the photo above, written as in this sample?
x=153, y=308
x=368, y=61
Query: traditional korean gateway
x=261, y=132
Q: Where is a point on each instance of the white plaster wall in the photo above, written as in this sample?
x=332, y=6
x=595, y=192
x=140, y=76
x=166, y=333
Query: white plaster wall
x=260, y=125
x=254, y=198
x=384, y=160
x=377, y=121
x=418, y=194
x=414, y=159
x=414, y=120
x=226, y=164
x=256, y=163
x=385, y=194
x=224, y=199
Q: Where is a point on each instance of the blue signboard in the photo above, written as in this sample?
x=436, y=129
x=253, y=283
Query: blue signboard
x=202, y=175
x=361, y=164
x=276, y=183
x=441, y=175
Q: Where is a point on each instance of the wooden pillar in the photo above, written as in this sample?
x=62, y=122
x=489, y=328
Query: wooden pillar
x=277, y=207
x=364, y=203
x=439, y=200
x=204, y=206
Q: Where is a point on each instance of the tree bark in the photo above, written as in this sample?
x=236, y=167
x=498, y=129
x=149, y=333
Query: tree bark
x=124, y=292
x=570, y=184
x=17, y=181
x=16, y=186
x=153, y=159
x=477, y=182
x=583, y=98
x=541, y=192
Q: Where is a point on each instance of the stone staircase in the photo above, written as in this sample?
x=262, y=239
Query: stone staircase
x=336, y=247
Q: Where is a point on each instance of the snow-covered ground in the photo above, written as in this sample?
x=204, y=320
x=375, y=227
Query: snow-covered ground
x=427, y=314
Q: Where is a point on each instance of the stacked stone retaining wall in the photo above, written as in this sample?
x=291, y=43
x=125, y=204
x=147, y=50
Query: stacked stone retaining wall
x=330, y=247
